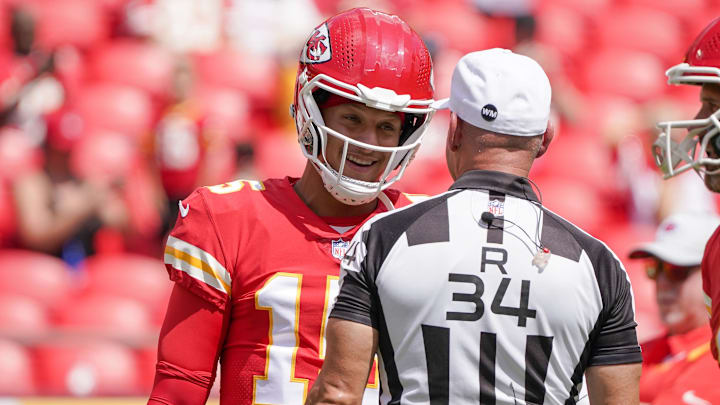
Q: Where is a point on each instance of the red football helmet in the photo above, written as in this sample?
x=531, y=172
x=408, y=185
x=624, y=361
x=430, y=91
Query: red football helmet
x=372, y=58
x=701, y=65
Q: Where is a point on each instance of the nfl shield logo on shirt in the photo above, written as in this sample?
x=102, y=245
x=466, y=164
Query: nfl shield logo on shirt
x=496, y=207
x=338, y=248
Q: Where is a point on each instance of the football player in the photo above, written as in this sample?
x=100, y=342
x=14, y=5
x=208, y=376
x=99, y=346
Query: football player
x=256, y=263
x=700, y=148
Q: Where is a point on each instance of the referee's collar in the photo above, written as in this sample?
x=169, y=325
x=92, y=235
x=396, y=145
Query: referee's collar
x=501, y=182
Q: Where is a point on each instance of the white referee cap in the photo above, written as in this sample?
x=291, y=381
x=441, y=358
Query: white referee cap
x=680, y=239
x=500, y=91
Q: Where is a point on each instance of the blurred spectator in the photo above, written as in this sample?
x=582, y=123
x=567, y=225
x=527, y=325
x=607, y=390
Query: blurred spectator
x=674, y=263
x=80, y=101
x=199, y=138
x=270, y=28
x=27, y=88
x=684, y=192
x=179, y=141
x=60, y=214
x=630, y=130
x=513, y=8
x=56, y=213
x=178, y=25
x=566, y=99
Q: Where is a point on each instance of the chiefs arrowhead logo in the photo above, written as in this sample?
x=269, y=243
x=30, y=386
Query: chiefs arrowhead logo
x=317, y=48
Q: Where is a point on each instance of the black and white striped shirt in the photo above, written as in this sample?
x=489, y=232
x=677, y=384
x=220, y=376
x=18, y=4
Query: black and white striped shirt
x=463, y=314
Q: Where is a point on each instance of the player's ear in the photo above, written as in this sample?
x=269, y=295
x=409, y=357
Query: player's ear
x=548, y=136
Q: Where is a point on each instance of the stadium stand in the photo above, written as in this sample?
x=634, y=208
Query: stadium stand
x=92, y=80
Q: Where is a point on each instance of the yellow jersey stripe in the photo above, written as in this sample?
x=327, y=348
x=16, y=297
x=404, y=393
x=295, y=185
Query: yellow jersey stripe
x=197, y=263
x=708, y=303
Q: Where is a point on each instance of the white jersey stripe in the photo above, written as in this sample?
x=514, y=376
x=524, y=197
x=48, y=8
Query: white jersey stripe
x=197, y=263
x=619, y=262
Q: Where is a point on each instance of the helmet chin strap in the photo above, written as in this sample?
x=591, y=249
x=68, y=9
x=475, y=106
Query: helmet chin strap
x=346, y=189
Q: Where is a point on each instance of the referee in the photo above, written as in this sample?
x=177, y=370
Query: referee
x=481, y=294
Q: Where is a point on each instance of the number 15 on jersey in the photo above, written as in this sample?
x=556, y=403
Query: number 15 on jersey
x=280, y=296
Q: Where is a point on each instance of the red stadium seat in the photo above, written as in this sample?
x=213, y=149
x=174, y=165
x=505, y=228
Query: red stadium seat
x=17, y=153
x=622, y=239
x=639, y=76
x=581, y=157
x=605, y=112
x=140, y=64
x=575, y=201
x=563, y=29
x=686, y=9
x=642, y=29
x=22, y=316
x=17, y=157
x=8, y=220
x=425, y=177
x=5, y=35
x=85, y=368
x=226, y=111
x=36, y=275
x=81, y=23
x=443, y=67
x=106, y=315
x=278, y=155
x=140, y=196
x=104, y=156
x=140, y=278
x=454, y=25
x=257, y=76
x=16, y=369
x=115, y=107
x=146, y=358
x=587, y=7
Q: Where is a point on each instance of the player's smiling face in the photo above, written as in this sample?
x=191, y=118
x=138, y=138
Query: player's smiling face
x=367, y=125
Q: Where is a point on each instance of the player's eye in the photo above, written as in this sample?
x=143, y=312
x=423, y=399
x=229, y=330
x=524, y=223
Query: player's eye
x=351, y=118
x=388, y=127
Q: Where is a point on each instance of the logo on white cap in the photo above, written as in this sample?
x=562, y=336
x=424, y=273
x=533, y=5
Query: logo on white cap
x=489, y=112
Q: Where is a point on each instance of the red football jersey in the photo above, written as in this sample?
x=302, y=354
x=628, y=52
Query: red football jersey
x=667, y=358
x=711, y=287
x=698, y=384
x=256, y=250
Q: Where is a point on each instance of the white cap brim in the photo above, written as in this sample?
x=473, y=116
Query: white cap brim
x=667, y=253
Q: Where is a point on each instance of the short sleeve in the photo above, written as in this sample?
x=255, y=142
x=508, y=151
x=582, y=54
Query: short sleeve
x=616, y=342
x=193, y=254
x=357, y=300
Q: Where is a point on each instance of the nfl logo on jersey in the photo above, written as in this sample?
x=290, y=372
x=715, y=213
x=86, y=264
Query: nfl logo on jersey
x=496, y=207
x=338, y=248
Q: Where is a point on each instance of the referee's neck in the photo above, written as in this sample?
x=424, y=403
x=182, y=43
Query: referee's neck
x=516, y=167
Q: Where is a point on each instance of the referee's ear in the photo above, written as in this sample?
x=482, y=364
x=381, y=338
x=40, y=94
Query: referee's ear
x=454, y=135
x=547, y=138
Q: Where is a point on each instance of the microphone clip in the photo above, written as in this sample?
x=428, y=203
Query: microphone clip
x=541, y=258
